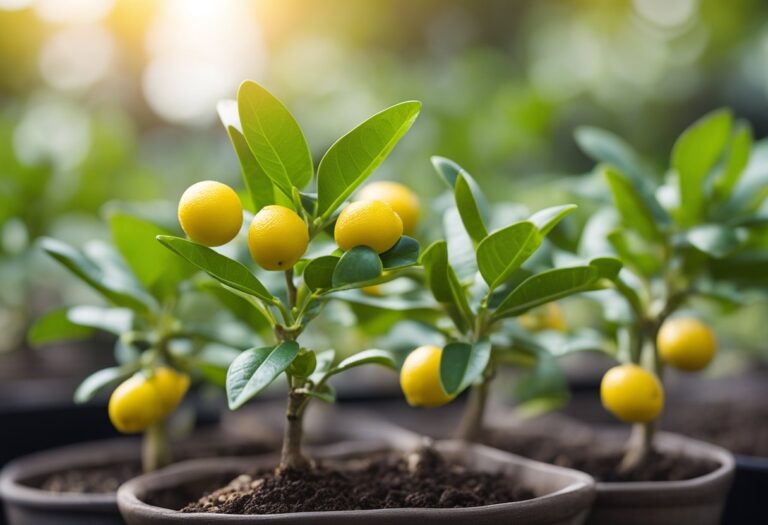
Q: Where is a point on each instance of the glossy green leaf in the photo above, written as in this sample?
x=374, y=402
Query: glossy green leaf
x=255, y=369
x=469, y=210
x=737, y=160
x=274, y=138
x=56, y=326
x=602, y=146
x=444, y=284
x=394, y=302
x=632, y=205
x=461, y=247
x=324, y=362
x=449, y=172
x=548, y=218
x=404, y=253
x=221, y=268
x=111, y=282
x=504, y=251
x=100, y=380
x=462, y=364
x=238, y=305
x=351, y=159
x=318, y=273
x=366, y=357
x=356, y=266
x=694, y=154
x=304, y=364
x=716, y=240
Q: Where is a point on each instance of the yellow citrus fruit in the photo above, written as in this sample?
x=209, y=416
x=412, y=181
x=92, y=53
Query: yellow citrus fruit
x=277, y=238
x=368, y=223
x=399, y=197
x=210, y=213
x=374, y=290
x=171, y=386
x=632, y=394
x=135, y=404
x=420, y=378
x=548, y=317
x=686, y=343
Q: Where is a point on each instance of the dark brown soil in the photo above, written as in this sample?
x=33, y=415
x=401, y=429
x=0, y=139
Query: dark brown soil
x=382, y=481
x=600, y=461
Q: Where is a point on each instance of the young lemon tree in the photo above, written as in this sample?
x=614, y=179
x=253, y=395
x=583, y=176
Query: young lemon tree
x=482, y=279
x=287, y=223
x=157, y=343
x=686, y=234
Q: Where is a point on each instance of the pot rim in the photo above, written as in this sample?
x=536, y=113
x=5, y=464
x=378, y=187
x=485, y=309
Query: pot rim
x=580, y=488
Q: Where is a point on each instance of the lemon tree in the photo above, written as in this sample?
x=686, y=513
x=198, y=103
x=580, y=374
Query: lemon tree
x=482, y=280
x=691, y=231
x=304, y=226
x=159, y=344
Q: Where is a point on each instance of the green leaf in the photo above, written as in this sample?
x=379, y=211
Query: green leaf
x=461, y=248
x=504, y=251
x=56, y=326
x=462, y=364
x=318, y=273
x=356, y=266
x=694, y=155
x=255, y=369
x=351, y=159
x=257, y=183
x=449, y=171
x=155, y=267
x=469, y=210
x=238, y=305
x=444, y=284
x=546, y=287
x=366, y=357
x=304, y=364
x=548, y=218
x=404, y=253
x=324, y=362
x=632, y=205
x=324, y=392
x=111, y=282
x=274, y=137
x=221, y=268
x=737, y=160
x=113, y=320
x=607, y=267
x=602, y=146
x=100, y=380
x=716, y=240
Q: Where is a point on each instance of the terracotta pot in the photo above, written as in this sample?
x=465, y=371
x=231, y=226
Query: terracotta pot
x=746, y=499
x=564, y=495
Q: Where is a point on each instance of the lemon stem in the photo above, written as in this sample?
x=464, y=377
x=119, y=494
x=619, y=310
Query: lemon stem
x=155, y=453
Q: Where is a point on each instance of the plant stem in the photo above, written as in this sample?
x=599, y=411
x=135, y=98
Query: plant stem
x=291, y=287
x=154, y=452
x=639, y=447
x=291, y=456
x=471, y=424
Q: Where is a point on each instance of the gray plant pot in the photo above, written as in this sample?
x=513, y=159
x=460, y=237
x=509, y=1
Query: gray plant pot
x=564, y=496
x=746, y=503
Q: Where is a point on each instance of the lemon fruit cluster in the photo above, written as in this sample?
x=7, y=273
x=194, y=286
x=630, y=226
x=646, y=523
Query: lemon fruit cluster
x=632, y=394
x=420, y=378
x=401, y=199
x=686, y=343
x=210, y=213
x=368, y=223
x=548, y=317
x=141, y=401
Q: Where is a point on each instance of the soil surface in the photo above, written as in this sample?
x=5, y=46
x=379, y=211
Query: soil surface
x=601, y=461
x=380, y=481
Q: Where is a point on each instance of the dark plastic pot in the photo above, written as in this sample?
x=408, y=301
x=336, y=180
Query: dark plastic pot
x=698, y=501
x=746, y=499
x=564, y=495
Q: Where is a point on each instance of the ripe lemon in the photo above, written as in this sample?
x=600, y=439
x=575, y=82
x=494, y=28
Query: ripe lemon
x=277, y=238
x=420, y=378
x=399, y=197
x=686, y=343
x=549, y=317
x=210, y=213
x=368, y=223
x=171, y=386
x=135, y=404
x=632, y=394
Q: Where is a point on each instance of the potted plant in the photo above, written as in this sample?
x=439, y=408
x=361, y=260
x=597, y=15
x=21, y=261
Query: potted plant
x=156, y=345
x=374, y=483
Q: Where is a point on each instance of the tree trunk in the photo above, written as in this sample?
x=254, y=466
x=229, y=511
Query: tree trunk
x=154, y=452
x=474, y=413
x=639, y=447
x=291, y=456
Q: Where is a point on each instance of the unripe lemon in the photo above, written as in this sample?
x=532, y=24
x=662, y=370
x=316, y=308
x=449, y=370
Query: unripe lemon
x=135, y=405
x=368, y=223
x=632, y=394
x=549, y=317
x=171, y=387
x=686, y=343
x=210, y=213
x=277, y=238
x=399, y=197
x=420, y=378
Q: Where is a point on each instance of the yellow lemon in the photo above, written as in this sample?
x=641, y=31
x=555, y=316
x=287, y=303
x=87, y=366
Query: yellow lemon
x=368, y=223
x=135, y=405
x=632, y=394
x=549, y=317
x=420, y=378
x=171, y=386
x=686, y=343
x=399, y=197
x=277, y=238
x=210, y=213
